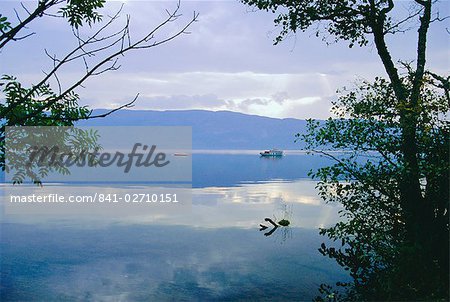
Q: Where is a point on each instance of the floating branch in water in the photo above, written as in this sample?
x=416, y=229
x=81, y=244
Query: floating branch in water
x=284, y=222
x=271, y=221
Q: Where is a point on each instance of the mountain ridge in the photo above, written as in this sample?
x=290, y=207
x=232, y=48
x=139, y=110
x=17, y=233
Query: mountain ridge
x=213, y=129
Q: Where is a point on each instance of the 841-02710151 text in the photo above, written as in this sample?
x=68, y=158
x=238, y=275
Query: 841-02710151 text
x=139, y=197
x=96, y=198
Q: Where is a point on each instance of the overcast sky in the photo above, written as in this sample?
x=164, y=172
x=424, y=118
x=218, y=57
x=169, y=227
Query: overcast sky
x=227, y=62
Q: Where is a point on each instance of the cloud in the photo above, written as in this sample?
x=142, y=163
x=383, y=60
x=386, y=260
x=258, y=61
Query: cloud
x=280, y=97
x=180, y=102
x=302, y=108
x=272, y=107
x=275, y=95
x=228, y=62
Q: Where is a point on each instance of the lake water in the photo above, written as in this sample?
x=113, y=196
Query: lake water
x=213, y=252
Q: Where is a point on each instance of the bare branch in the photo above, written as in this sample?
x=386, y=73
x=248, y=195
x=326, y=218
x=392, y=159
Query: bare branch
x=422, y=2
x=355, y=174
x=421, y=51
x=439, y=18
x=11, y=34
x=17, y=16
x=443, y=83
x=62, y=61
x=396, y=27
x=127, y=105
x=99, y=68
x=25, y=8
x=58, y=82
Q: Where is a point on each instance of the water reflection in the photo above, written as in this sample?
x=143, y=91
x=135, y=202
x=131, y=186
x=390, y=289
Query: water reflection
x=212, y=207
x=154, y=263
x=211, y=251
x=231, y=168
x=244, y=206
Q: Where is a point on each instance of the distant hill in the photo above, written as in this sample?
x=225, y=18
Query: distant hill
x=214, y=130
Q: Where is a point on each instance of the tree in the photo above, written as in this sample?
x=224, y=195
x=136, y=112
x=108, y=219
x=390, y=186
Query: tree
x=357, y=22
x=48, y=103
x=372, y=238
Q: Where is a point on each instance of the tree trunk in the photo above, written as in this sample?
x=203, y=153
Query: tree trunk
x=418, y=214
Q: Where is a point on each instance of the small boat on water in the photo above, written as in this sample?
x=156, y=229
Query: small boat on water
x=273, y=152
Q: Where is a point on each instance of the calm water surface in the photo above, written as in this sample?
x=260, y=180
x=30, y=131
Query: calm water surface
x=213, y=252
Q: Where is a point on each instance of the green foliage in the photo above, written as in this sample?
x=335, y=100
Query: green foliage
x=392, y=179
x=79, y=11
x=5, y=25
x=39, y=106
x=72, y=144
x=344, y=19
x=370, y=241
